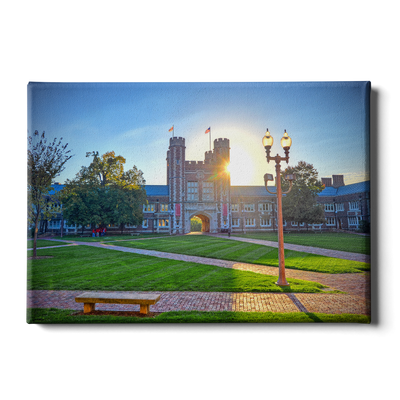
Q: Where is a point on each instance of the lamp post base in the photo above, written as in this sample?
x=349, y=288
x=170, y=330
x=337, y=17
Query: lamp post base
x=282, y=283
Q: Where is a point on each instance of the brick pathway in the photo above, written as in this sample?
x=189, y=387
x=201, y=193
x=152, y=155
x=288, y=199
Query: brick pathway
x=215, y=301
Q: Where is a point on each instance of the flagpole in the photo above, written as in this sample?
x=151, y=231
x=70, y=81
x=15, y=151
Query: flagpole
x=173, y=130
x=210, y=138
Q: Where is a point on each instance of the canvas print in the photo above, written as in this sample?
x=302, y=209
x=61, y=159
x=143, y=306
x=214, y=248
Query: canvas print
x=198, y=203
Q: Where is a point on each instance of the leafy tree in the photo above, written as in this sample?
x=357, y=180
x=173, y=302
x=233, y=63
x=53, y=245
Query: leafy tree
x=103, y=193
x=46, y=160
x=195, y=224
x=300, y=204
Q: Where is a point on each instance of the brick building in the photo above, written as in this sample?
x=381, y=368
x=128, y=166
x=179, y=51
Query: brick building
x=203, y=189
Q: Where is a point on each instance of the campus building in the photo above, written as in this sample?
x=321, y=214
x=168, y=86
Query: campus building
x=202, y=189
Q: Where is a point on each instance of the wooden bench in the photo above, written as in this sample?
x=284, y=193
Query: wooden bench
x=89, y=299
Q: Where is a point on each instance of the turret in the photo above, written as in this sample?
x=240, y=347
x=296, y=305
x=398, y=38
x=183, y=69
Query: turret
x=221, y=149
x=176, y=179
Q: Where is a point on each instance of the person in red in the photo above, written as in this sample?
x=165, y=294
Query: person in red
x=104, y=231
x=93, y=233
x=97, y=232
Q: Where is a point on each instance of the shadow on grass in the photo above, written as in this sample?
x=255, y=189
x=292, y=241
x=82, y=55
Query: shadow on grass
x=314, y=317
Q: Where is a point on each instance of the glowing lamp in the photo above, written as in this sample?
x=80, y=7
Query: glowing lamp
x=267, y=140
x=286, y=141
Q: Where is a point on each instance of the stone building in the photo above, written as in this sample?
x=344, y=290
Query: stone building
x=202, y=189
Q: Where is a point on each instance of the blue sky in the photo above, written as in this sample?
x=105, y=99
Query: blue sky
x=326, y=121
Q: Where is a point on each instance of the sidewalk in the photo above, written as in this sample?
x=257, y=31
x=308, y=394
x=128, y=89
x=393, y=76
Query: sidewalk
x=215, y=301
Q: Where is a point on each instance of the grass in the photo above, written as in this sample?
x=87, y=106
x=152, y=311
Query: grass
x=225, y=249
x=56, y=316
x=44, y=243
x=109, y=238
x=326, y=240
x=88, y=268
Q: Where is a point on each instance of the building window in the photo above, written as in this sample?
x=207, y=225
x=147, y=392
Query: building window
x=145, y=223
x=265, y=207
x=339, y=206
x=265, y=222
x=235, y=222
x=249, y=207
x=148, y=207
x=353, y=205
x=294, y=223
x=163, y=207
x=353, y=221
x=330, y=221
x=163, y=223
x=235, y=207
x=250, y=222
x=329, y=207
x=192, y=191
x=208, y=191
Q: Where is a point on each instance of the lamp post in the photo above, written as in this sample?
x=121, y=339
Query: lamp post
x=286, y=142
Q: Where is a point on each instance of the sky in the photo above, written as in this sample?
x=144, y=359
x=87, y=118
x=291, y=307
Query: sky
x=328, y=123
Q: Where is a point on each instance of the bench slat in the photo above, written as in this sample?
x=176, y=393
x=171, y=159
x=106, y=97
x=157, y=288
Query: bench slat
x=118, y=298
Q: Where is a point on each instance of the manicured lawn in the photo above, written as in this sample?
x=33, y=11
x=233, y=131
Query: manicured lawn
x=327, y=240
x=88, y=268
x=44, y=243
x=208, y=246
x=109, y=238
x=56, y=316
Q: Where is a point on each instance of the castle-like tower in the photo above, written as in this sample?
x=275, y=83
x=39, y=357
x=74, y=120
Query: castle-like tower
x=176, y=181
x=199, y=188
x=222, y=183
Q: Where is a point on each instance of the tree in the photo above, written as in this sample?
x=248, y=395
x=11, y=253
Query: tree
x=195, y=224
x=46, y=160
x=300, y=204
x=103, y=193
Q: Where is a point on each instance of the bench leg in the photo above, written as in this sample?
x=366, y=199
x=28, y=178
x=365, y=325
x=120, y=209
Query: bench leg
x=88, y=307
x=144, y=308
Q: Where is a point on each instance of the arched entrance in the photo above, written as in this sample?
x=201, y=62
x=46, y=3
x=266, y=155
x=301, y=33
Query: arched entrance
x=205, y=222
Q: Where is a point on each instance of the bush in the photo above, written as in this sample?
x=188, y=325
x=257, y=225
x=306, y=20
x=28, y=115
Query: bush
x=364, y=227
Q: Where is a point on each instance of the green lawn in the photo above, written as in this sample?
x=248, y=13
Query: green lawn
x=109, y=238
x=327, y=240
x=56, y=316
x=44, y=243
x=208, y=246
x=88, y=268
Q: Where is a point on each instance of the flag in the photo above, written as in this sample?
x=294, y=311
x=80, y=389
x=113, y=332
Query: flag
x=208, y=130
x=171, y=129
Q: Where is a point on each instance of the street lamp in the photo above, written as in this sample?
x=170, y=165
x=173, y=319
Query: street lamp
x=286, y=142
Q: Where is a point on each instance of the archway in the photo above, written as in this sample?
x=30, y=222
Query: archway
x=205, y=221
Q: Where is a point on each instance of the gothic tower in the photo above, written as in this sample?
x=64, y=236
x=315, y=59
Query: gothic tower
x=222, y=183
x=176, y=182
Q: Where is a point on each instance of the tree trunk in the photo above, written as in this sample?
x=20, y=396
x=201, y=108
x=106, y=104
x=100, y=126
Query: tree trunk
x=35, y=233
